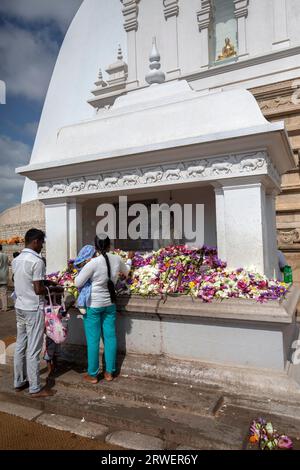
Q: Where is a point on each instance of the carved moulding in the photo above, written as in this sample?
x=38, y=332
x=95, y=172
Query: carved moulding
x=209, y=169
x=171, y=8
x=130, y=12
x=288, y=237
x=205, y=15
x=241, y=8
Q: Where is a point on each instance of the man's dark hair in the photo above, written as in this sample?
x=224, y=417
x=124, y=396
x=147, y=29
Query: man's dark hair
x=15, y=254
x=0, y=247
x=34, y=234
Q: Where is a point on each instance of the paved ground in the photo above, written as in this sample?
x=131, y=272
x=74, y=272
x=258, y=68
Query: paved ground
x=20, y=434
x=7, y=324
x=140, y=412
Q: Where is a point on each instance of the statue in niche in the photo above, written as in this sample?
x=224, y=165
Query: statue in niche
x=227, y=51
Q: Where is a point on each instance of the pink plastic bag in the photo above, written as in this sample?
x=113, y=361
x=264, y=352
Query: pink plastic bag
x=56, y=326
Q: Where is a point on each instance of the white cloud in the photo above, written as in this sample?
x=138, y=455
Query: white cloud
x=28, y=51
x=31, y=128
x=27, y=61
x=45, y=11
x=12, y=154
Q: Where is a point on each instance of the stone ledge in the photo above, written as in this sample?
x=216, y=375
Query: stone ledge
x=184, y=306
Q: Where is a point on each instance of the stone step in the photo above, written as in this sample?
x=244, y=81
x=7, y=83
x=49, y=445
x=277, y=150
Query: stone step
x=174, y=427
x=135, y=405
x=203, y=401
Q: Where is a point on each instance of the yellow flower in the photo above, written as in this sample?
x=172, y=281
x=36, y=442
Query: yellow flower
x=192, y=284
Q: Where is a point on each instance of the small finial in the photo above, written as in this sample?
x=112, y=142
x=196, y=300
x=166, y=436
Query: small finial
x=120, y=54
x=155, y=75
x=155, y=55
x=100, y=82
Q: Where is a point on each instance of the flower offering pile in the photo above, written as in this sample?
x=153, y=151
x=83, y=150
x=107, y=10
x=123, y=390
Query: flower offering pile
x=180, y=270
x=266, y=437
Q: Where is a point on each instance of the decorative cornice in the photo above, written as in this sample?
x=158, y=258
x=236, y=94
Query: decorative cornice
x=221, y=68
x=241, y=8
x=205, y=15
x=130, y=12
x=212, y=169
x=171, y=8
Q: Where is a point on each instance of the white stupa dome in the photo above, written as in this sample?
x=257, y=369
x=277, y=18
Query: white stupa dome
x=90, y=43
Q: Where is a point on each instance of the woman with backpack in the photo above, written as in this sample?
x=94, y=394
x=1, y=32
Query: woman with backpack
x=100, y=317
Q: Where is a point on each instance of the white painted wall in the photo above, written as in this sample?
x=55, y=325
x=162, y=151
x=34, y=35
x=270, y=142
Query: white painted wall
x=263, y=17
x=293, y=15
x=97, y=28
x=231, y=342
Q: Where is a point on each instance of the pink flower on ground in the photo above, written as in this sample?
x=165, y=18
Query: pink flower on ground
x=284, y=442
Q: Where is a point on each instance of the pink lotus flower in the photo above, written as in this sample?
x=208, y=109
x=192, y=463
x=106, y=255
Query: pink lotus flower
x=284, y=442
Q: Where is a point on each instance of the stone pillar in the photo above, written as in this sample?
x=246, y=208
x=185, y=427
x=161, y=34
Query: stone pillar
x=63, y=233
x=241, y=233
x=56, y=216
x=130, y=13
x=171, y=11
x=280, y=31
x=241, y=13
x=204, y=17
x=75, y=229
x=220, y=221
x=271, y=233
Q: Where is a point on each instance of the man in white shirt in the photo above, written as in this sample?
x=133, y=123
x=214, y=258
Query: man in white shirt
x=29, y=274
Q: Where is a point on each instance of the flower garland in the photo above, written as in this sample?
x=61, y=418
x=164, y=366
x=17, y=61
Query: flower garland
x=16, y=240
x=266, y=437
x=179, y=270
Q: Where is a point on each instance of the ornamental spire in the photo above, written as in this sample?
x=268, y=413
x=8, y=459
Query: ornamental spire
x=155, y=75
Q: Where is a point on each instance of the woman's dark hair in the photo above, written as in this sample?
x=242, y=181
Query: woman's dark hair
x=102, y=243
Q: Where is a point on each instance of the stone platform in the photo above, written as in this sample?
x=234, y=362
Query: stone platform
x=231, y=332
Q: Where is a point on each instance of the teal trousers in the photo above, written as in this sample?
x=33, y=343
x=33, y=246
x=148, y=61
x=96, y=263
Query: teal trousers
x=101, y=322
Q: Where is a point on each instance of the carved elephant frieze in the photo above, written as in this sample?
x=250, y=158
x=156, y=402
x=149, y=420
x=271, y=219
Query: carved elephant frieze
x=251, y=164
x=76, y=186
x=173, y=174
x=130, y=179
x=111, y=181
x=221, y=168
x=59, y=188
x=151, y=177
x=44, y=190
x=196, y=171
x=92, y=185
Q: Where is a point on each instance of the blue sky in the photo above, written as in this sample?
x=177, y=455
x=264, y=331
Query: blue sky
x=31, y=32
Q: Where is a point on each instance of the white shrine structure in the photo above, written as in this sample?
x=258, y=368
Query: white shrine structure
x=149, y=128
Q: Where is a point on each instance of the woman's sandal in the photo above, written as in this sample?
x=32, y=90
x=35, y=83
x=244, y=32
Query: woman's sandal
x=92, y=380
x=108, y=376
